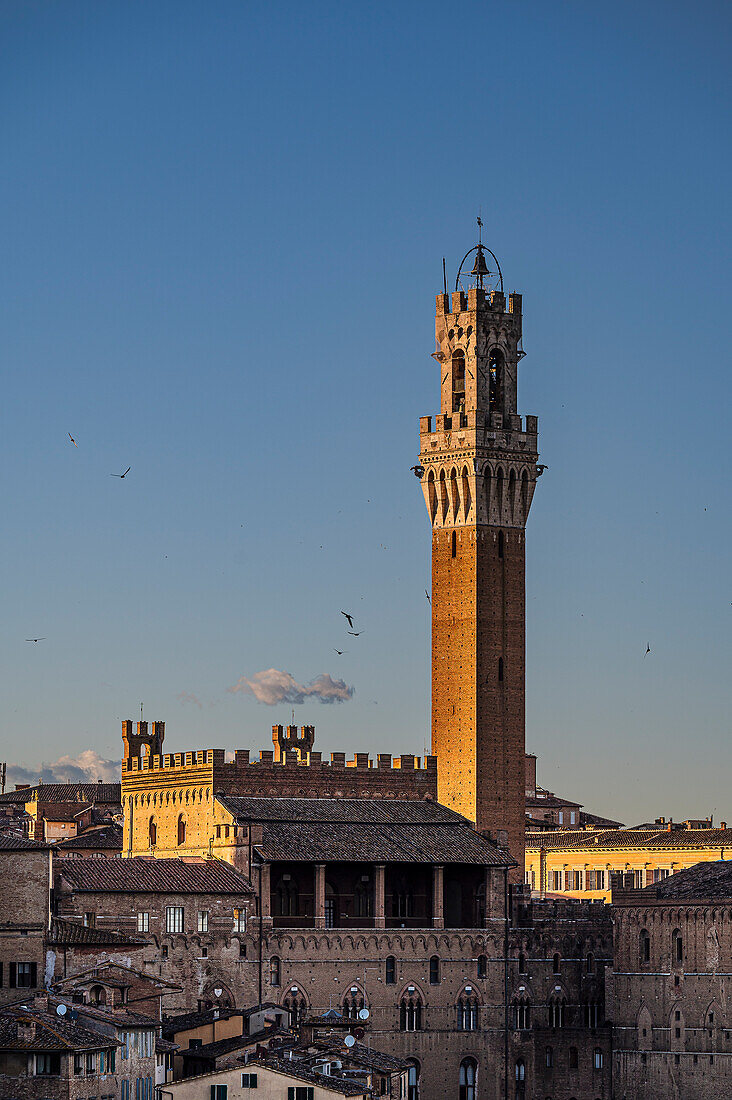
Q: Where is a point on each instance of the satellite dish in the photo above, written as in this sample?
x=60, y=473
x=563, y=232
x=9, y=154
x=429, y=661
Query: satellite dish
x=349, y=1041
x=364, y=1014
x=60, y=1010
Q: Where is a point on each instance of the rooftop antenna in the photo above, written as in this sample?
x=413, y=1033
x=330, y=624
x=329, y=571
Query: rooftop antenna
x=140, y=711
x=444, y=277
x=3, y=771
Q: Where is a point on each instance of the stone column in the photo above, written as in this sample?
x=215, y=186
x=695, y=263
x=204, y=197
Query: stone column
x=379, y=896
x=438, y=896
x=265, y=911
x=319, y=908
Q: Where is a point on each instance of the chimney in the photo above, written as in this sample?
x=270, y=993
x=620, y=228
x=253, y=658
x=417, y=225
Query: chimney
x=723, y=824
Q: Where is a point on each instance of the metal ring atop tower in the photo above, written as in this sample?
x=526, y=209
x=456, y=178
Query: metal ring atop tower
x=478, y=248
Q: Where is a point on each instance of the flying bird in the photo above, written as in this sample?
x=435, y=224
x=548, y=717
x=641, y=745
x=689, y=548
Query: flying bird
x=427, y=595
x=349, y=617
x=354, y=633
x=648, y=650
x=73, y=440
x=122, y=475
x=339, y=652
x=35, y=639
x=418, y=471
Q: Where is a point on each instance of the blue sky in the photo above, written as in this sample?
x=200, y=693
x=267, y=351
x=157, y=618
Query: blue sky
x=223, y=231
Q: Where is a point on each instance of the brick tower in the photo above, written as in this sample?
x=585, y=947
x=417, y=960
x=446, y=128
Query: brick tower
x=478, y=467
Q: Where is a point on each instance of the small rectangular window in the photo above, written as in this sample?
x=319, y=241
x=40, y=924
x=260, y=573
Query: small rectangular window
x=48, y=1065
x=240, y=920
x=143, y=922
x=248, y=1080
x=78, y=1065
x=219, y=1092
x=91, y=1063
x=174, y=918
x=26, y=975
x=202, y=920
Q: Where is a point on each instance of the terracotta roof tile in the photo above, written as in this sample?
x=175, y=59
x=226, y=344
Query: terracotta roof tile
x=65, y=933
x=66, y=792
x=340, y=810
x=403, y=831
x=703, y=880
x=108, y=836
x=153, y=876
x=630, y=838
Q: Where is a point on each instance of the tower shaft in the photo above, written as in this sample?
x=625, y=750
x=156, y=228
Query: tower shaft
x=480, y=470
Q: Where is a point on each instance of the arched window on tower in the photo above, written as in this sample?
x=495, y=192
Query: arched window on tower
x=458, y=381
x=152, y=833
x=678, y=947
x=644, y=947
x=274, y=970
x=453, y=545
x=296, y=1005
x=482, y=966
x=181, y=830
x=353, y=1002
x=519, y=1073
x=410, y=1012
x=495, y=375
x=468, y=1074
x=435, y=970
x=522, y=1013
x=467, y=1011
x=557, y=1011
x=500, y=544
x=500, y=670
x=390, y=970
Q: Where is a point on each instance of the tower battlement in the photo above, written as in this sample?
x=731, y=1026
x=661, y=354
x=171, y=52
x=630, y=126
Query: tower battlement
x=202, y=758
x=291, y=769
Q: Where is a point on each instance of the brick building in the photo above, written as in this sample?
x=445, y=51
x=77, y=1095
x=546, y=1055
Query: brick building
x=671, y=986
x=47, y=1056
x=191, y=915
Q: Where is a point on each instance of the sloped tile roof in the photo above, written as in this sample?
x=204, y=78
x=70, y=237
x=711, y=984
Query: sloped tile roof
x=19, y=844
x=53, y=1032
x=66, y=792
x=630, y=838
x=339, y=810
x=703, y=880
x=153, y=876
x=108, y=836
x=381, y=842
x=368, y=830
x=68, y=933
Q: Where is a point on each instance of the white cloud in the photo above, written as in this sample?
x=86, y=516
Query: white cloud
x=189, y=697
x=272, y=686
x=87, y=767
